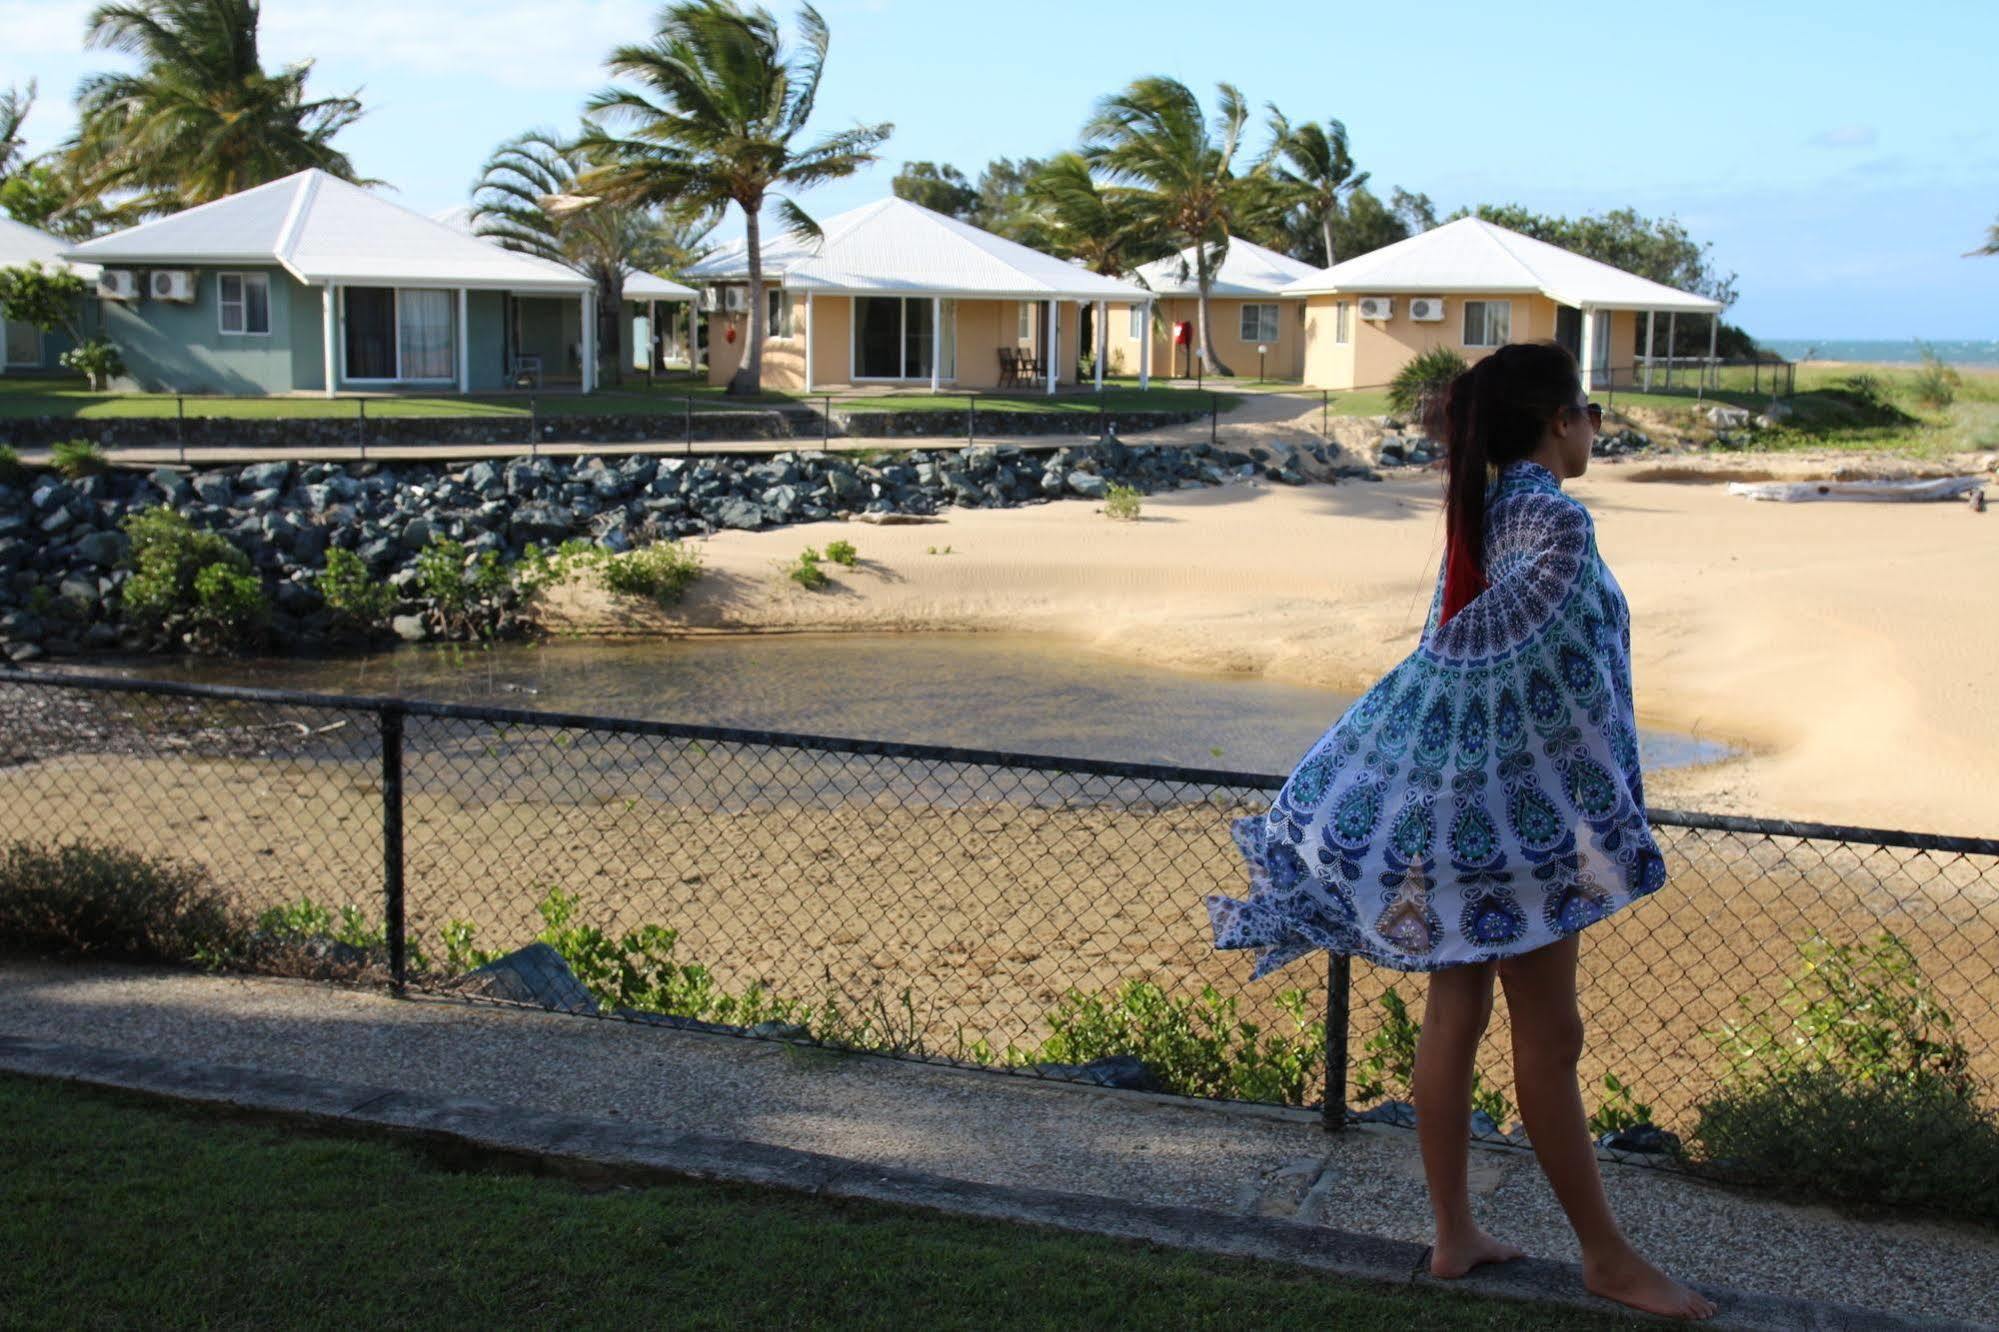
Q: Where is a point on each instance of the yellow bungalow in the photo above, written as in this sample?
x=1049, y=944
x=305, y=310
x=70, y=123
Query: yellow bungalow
x=895, y=294
x=1249, y=300
x=1472, y=286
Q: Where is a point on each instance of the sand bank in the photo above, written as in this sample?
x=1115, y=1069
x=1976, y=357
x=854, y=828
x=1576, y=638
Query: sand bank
x=1850, y=650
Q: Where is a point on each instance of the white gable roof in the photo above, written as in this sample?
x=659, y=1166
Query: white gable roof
x=1474, y=256
x=323, y=229
x=893, y=247
x=1246, y=270
x=639, y=284
x=23, y=244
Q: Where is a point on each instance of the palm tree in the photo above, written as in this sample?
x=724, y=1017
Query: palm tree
x=1073, y=217
x=528, y=198
x=1991, y=245
x=14, y=108
x=1152, y=143
x=718, y=105
x=1320, y=171
x=201, y=118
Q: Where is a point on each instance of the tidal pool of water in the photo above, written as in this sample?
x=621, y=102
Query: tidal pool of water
x=1012, y=692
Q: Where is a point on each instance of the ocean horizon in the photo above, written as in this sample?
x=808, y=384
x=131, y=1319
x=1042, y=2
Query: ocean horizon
x=1976, y=352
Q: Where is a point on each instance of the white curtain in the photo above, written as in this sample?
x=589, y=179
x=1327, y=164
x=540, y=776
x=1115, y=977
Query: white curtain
x=425, y=328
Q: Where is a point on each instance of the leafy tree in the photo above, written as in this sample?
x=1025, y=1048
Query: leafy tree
x=14, y=107
x=940, y=188
x=718, y=105
x=528, y=198
x=1659, y=249
x=1109, y=231
x=42, y=194
x=1154, y=145
x=201, y=118
x=1315, y=164
x=1003, y=193
x=48, y=297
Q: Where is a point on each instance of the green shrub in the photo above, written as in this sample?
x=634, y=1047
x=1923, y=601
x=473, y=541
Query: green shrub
x=82, y=897
x=1937, y=383
x=1856, y=1087
x=96, y=358
x=13, y=472
x=172, y=591
x=805, y=571
x=1121, y=502
x=78, y=458
x=351, y=593
x=662, y=571
x=1195, y=1045
x=461, y=587
x=1423, y=379
x=538, y=568
x=843, y=554
x=306, y=919
x=1620, y=1108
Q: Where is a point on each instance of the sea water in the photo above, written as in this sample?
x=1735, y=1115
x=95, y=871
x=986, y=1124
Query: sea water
x=1972, y=353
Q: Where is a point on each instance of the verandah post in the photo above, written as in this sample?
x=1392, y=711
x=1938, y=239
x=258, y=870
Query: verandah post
x=392, y=846
x=1339, y=976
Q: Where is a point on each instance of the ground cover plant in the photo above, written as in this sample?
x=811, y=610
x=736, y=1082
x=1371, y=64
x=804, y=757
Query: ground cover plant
x=1121, y=502
x=191, y=584
x=109, y=1214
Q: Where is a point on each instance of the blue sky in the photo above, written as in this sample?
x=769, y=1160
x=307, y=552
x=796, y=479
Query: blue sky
x=1840, y=156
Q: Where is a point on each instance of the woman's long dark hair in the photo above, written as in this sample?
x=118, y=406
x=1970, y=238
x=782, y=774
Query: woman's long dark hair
x=1494, y=414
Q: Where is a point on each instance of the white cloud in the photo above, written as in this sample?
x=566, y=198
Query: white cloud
x=1845, y=136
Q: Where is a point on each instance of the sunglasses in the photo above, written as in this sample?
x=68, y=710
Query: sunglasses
x=1594, y=412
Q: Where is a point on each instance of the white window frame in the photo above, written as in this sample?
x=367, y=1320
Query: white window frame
x=901, y=341
x=1342, y=323
x=1258, y=335
x=1024, y=325
x=396, y=321
x=777, y=313
x=241, y=305
x=1137, y=327
x=1484, y=310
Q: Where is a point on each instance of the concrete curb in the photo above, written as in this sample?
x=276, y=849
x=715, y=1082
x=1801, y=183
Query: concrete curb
x=599, y=1149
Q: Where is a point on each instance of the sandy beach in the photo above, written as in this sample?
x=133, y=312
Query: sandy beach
x=1848, y=650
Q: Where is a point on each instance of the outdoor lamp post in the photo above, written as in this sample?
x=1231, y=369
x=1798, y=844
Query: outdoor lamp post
x=1261, y=352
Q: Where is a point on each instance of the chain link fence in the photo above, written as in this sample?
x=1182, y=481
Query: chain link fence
x=1019, y=912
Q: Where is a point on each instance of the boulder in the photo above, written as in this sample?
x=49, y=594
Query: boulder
x=104, y=549
x=740, y=514
x=1399, y=1113
x=1126, y=1071
x=265, y=476
x=1088, y=486
x=1641, y=1137
x=214, y=488
x=409, y=628
x=535, y=975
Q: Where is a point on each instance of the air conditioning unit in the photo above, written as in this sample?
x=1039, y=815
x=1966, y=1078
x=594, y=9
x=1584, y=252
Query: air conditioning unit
x=170, y=284
x=711, y=298
x=118, y=284
x=1377, y=307
x=735, y=299
x=1426, y=309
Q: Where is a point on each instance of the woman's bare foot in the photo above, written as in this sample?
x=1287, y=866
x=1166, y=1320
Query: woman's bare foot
x=1453, y=1257
x=1629, y=1279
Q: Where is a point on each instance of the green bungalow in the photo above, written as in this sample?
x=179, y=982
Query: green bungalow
x=310, y=284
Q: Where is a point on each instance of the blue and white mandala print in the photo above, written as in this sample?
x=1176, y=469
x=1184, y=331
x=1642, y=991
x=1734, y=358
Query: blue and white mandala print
x=1484, y=798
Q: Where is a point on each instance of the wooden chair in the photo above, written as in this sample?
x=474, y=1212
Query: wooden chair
x=1009, y=361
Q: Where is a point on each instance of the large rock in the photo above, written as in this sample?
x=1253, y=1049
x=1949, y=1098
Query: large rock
x=739, y=513
x=104, y=549
x=1126, y=1071
x=535, y=975
x=1088, y=486
x=265, y=476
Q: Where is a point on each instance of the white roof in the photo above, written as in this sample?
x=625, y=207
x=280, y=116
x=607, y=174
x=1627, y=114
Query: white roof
x=893, y=247
x=322, y=229
x=1246, y=270
x=1474, y=256
x=639, y=284
x=23, y=244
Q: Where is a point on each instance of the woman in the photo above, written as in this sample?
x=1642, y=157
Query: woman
x=1475, y=810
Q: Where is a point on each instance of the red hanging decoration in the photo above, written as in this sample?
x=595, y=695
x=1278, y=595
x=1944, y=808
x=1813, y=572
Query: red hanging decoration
x=729, y=334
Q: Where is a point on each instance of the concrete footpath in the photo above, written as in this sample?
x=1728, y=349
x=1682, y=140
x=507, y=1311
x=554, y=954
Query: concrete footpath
x=641, y=1101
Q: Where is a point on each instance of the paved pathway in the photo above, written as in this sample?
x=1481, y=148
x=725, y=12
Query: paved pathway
x=1114, y=1149
x=1257, y=417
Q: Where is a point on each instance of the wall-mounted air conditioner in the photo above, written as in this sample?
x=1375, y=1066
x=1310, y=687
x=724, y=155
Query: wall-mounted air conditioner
x=711, y=298
x=118, y=284
x=1426, y=309
x=170, y=284
x=735, y=299
x=1377, y=307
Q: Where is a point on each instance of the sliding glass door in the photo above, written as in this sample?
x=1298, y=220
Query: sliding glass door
x=399, y=333
x=893, y=337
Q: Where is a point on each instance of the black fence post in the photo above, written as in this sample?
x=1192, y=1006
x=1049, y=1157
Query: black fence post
x=1325, y=412
x=534, y=430
x=826, y=420
x=392, y=846
x=180, y=426
x=687, y=425
x=361, y=426
x=1214, y=413
x=1339, y=976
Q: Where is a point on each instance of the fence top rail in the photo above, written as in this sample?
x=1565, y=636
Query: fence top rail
x=992, y=758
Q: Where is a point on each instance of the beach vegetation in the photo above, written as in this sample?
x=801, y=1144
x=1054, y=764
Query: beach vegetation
x=714, y=111
x=354, y=596
x=1121, y=502
x=462, y=587
x=842, y=553
x=13, y=472
x=89, y=898
x=805, y=570
x=173, y=591
x=1423, y=379
x=662, y=571
x=1937, y=382
x=78, y=458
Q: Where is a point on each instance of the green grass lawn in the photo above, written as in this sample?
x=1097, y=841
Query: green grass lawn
x=121, y=1212
x=70, y=397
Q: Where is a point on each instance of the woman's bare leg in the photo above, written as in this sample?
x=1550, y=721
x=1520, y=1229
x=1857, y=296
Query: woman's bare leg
x=1454, y=1018
x=1547, y=1041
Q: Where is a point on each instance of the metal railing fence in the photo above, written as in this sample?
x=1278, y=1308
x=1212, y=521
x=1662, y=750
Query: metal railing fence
x=1018, y=911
